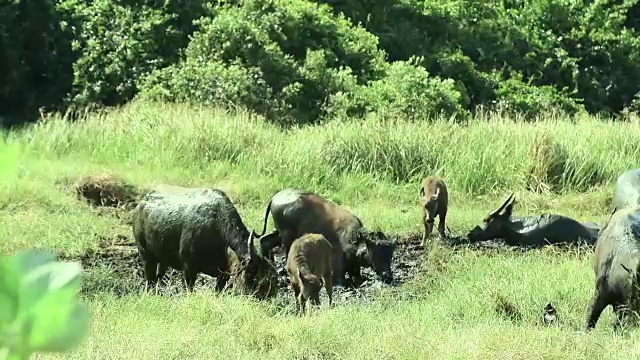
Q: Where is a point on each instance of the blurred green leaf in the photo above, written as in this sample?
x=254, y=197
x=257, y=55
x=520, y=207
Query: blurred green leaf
x=38, y=293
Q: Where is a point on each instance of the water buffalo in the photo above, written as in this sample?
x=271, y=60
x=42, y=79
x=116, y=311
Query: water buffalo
x=309, y=268
x=190, y=231
x=627, y=190
x=296, y=212
x=263, y=285
x=615, y=263
x=530, y=230
x=434, y=201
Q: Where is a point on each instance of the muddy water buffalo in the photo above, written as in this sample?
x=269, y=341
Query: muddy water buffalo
x=615, y=263
x=309, y=269
x=434, y=201
x=627, y=190
x=530, y=230
x=190, y=231
x=296, y=212
x=263, y=284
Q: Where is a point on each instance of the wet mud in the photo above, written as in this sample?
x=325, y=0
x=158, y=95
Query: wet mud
x=114, y=267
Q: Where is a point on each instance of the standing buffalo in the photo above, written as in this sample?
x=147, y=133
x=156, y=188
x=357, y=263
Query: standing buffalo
x=530, y=230
x=615, y=263
x=627, y=190
x=296, y=212
x=309, y=268
x=190, y=230
x=434, y=201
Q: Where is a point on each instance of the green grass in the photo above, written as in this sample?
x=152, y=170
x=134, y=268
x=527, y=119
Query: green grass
x=374, y=169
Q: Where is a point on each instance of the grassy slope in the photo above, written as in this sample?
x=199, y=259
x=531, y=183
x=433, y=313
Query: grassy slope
x=372, y=168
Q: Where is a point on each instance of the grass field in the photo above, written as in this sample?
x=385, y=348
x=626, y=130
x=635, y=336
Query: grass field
x=374, y=169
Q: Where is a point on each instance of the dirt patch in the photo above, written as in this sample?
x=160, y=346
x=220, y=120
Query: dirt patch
x=106, y=190
x=114, y=267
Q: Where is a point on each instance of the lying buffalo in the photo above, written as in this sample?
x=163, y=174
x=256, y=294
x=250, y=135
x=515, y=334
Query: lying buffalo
x=615, y=263
x=296, y=212
x=309, y=269
x=530, y=230
x=190, y=230
x=627, y=190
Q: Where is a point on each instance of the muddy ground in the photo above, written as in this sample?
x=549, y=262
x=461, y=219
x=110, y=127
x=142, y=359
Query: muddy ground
x=116, y=268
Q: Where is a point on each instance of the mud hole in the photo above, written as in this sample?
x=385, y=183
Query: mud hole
x=115, y=268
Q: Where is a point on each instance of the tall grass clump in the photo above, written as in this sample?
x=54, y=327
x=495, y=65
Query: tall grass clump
x=547, y=163
x=484, y=156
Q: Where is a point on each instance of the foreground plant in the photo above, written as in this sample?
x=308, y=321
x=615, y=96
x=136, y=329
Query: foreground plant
x=38, y=311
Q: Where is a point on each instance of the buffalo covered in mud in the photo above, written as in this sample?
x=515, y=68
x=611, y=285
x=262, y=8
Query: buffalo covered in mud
x=296, y=212
x=530, y=231
x=190, y=231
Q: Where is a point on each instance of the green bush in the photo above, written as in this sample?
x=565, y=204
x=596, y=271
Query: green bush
x=517, y=98
x=301, y=61
x=297, y=49
x=408, y=91
x=210, y=83
x=118, y=42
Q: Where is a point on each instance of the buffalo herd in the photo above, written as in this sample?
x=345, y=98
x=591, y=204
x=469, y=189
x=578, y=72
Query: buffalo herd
x=199, y=230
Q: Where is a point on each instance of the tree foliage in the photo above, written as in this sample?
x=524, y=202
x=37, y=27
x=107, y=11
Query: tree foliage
x=301, y=61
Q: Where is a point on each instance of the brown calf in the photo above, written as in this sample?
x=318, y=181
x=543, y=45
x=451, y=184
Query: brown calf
x=434, y=201
x=309, y=266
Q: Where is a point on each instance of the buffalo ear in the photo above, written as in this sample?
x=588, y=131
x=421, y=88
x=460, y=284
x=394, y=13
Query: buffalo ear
x=301, y=277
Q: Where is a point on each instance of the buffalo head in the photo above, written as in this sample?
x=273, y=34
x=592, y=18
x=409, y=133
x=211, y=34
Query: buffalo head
x=496, y=224
x=378, y=253
x=258, y=275
x=268, y=242
x=310, y=286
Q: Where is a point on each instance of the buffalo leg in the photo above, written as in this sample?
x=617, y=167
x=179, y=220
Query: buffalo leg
x=328, y=285
x=161, y=271
x=425, y=233
x=441, y=225
x=189, y=276
x=338, y=267
x=624, y=316
x=221, y=280
x=296, y=296
x=150, y=268
x=596, y=306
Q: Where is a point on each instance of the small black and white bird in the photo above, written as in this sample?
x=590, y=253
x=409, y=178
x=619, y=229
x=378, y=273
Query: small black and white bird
x=549, y=316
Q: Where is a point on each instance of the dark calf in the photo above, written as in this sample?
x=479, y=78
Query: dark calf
x=434, y=201
x=309, y=268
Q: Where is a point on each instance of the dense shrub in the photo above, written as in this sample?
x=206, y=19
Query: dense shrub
x=35, y=58
x=297, y=49
x=517, y=98
x=406, y=91
x=119, y=41
x=211, y=83
x=299, y=61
